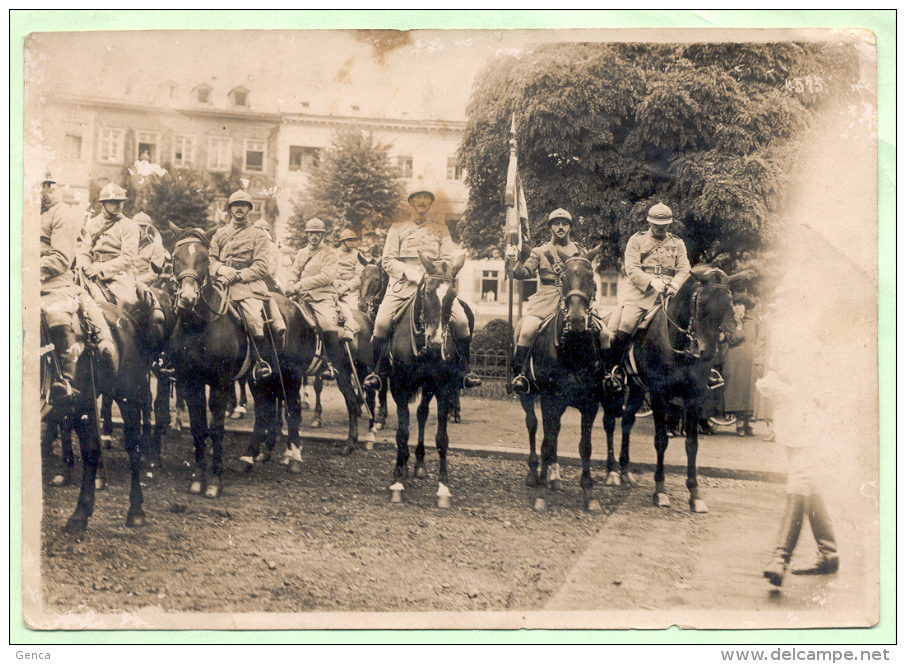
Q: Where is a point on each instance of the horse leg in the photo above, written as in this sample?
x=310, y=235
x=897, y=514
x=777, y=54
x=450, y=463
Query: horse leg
x=421, y=415
x=217, y=406
x=292, y=456
x=316, y=418
x=131, y=411
x=696, y=503
x=633, y=404
x=400, y=471
x=382, y=408
x=264, y=407
x=195, y=403
x=445, y=401
x=658, y=411
x=161, y=422
x=589, y=411
x=551, y=427
x=531, y=425
x=107, y=422
x=90, y=445
x=609, y=420
x=455, y=414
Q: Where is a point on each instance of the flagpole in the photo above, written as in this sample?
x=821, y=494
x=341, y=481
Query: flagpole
x=512, y=231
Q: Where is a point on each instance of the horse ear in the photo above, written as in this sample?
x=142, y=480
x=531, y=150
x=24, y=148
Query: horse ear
x=591, y=255
x=741, y=276
x=457, y=266
x=702, y=272
x=210, y=233
x=176, y=230
x=429, y=266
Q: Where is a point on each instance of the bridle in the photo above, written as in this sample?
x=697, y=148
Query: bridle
x=420, y=295
x=189, y=272
x=688, y=332
x=586, y=297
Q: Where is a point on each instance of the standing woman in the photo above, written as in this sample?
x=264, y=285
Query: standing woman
x=739, y=366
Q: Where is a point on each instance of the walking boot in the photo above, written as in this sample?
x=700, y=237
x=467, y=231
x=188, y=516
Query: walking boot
x=614, y=380
x=469, y=379
x=827, y=561
x=375, y=379
x=786, y=539
x=62, y=392
x=520, y=382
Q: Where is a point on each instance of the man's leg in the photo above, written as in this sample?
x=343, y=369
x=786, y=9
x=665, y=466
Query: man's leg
x=527, y=333
x=66, y=350
x=278, y=325
x=381, y=345
x=95, y=318
x=629, y=318
x=462, y=336
x=253, y=312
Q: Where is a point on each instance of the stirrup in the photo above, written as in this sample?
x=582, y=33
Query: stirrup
x=370, y=379
x=261, y=370
x=471, y=380
x=715, y=380
x=61, y=393
x=614, y=380
x=161, y=369
x=521, y=384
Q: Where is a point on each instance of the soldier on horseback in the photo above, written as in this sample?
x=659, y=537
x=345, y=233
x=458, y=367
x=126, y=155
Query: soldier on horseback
x=545, y=262
x=656, y=264
x=238, y=260
x=420, y=232
x=350, y=264
x=61, y=298
x=152, y=257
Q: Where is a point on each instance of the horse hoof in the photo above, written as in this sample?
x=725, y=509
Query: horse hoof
x=100, y=484
x=263, y=457
x=419, y=472
x=378, y=426
x=629, y=479
x=661, y=500
x=345, y=449
x=135, y=520
x=75, y=526
x=213, y=491
x=315, y=424
x=612, y=479
x=556, y=485
x=698, y=506
x=294, y=467
x=369, y=445
x=593, y=506
x=531, y=478
x=196, y=487
x=246, y=463
x=60, y=480
x=540, y=505
x=396, y=496
x=443, y=502
x=107, y=441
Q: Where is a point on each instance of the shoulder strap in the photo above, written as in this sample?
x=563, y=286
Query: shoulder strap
x=646, y=254
x=556, y=264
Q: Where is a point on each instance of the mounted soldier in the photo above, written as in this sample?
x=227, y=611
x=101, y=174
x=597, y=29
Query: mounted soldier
x=656, y=265
x=350, y=264
x=545, y=262
x=420, y=232
x=61, y=298
x=152, y=257
x=238, y=260
x=273, y=258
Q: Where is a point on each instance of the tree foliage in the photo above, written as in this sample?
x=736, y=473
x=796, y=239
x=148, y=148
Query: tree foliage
x=354, y=186
x=182, y=196
x=608, y=130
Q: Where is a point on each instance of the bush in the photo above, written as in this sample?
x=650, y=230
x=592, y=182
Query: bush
x=493, y=336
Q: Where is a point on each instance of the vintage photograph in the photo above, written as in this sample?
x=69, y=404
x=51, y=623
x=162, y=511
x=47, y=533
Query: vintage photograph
x=450, y=329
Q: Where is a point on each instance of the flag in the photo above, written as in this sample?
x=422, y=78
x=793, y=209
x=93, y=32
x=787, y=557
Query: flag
x=516, y=229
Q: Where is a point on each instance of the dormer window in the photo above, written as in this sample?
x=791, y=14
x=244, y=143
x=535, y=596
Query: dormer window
x=240, y=97
x=202, y=94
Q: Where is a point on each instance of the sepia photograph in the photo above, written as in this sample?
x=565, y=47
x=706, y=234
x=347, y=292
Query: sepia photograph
x=450, y=329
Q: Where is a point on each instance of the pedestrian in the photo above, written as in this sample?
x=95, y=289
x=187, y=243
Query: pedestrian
x=739, y=366
x=764, y=407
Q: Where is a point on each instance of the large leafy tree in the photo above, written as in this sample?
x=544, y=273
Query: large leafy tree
x=165, y=194
x=607, y=130
x=354, y=186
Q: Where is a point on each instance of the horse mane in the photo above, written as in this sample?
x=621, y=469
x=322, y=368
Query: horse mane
x=195, y=233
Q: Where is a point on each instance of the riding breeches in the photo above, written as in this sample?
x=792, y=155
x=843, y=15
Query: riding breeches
x=393, y=304
x=253, y=312
x=60, y=304
x=625, y=318
x=350, y=299
x=325, y=311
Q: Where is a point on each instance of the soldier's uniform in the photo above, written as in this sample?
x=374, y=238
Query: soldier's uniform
x=349, y=273
x=151, y=253
x=311, y=280
x=113, y=245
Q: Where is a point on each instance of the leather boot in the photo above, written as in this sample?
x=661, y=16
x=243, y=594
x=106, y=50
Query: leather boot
x=520, y=382
x=278, y=325
x=613, y=379
x=62, y=391
x=827, y=561
x=469, y=378
x=94, y=317
x=786, y=539
x=335, y=353
x=381, y=350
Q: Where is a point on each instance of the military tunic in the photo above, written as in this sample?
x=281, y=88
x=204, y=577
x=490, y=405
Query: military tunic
x=349, y=277
x=404, y=240
x=243, y=248
x=59, y=294
x=646, y=259
x=114, y=246
x=151, y=255
x=546, y=299
x=311, y=279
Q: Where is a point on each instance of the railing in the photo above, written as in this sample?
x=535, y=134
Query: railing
x=490, y=365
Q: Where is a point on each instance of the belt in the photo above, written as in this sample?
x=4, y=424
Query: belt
x=235, y=264
x=657, y=269
x=100, y=255
x=548, y=282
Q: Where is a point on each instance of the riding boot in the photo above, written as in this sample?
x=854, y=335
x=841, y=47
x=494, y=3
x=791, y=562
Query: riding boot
x=613, y=378
x=827, y=562
x=375, y=379
x=520, y=382
x=65, y=345
x=94, y=318
x=150, y=299
x=278, y=325
x=469, y=378
x=786, y=539
x=262, y=368
x=333, y=349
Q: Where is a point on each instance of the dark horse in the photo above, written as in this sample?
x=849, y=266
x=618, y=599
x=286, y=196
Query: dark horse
x=565, y=363
x=435, y=366
x=673, y=357
x=126, y=386
x=372, y=288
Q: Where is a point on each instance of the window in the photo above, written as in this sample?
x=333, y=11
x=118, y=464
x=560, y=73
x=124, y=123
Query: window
x=490, y=280
x=220, y=154
x=404, y=167
x=254, y=156
x=110, y=150
x=454, y=170
x=203, y=94
x=183, y=150
x=303, y=158
x=72, y=147
x=240, y=98
x=146, y=143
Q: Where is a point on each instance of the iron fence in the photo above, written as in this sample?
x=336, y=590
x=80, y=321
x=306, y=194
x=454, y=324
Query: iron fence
x=490, y=365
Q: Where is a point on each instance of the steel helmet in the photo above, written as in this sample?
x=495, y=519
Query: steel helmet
x=239, y=196
x=112, y=192
x=421, y=191
x=262, y=224
x=315, y=225
x=660, y=214
x=348, y=234
x=560, y=213
x=142, y=218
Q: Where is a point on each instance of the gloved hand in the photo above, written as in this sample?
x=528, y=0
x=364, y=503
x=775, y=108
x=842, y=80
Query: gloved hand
x=92, y=270
x=512, y=254
x=228, y=275
x=670, y=289
x=658, y=285
x=412, y=274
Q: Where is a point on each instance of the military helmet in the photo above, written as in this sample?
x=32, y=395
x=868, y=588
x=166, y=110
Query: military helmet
x=48, y=177
x=143, y=219
x=660, y=214
x=239, y=196
x=112, y=192
x=348, y=234
x=560, y=213
x=262, y=224
x=315, y=225
x=421, y=191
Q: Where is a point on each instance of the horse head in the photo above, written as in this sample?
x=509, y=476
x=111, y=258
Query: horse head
x=577, y=288
x=372, y=288
x=190, y=263
x=711, y=309
x=438, y=292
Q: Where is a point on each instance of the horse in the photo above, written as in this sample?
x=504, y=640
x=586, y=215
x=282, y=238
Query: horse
x=372, y=287
x=565, y=362
x=674, y=357
x=435, y=367
x=125, y=385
